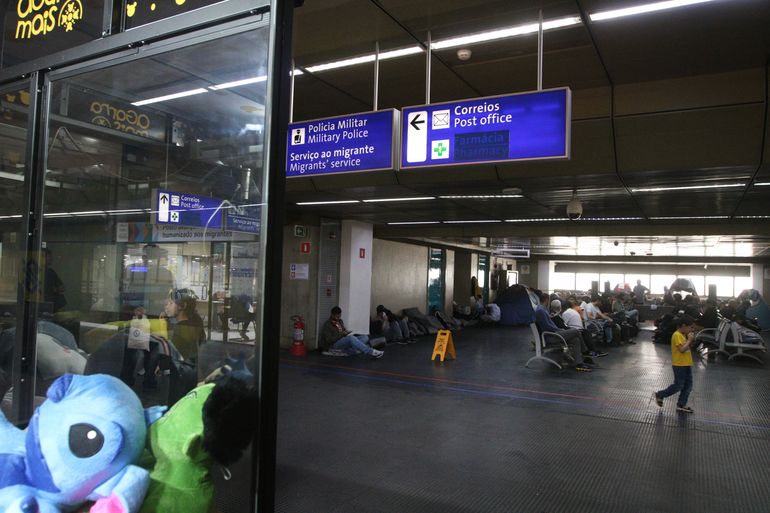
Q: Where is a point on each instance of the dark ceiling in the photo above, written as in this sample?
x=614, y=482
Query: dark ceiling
x=667, y=99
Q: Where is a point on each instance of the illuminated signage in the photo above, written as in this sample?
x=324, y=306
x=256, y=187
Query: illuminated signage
x=34, y=28
x=522, y=126
x=101, y=110
x=356, y=142
x=141, y=12
x=182, y=209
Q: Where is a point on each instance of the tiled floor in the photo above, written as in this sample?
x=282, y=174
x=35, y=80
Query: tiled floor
x=485, y=434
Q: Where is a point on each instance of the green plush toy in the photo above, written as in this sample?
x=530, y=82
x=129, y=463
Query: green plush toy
x=213, y=423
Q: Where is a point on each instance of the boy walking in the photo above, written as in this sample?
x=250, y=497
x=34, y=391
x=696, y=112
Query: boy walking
x=681, y=360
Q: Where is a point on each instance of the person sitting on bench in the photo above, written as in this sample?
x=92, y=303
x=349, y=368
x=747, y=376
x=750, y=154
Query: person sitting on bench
x=572, y=336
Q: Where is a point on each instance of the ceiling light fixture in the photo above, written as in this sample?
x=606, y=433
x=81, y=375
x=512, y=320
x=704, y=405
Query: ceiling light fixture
x=762, y=183
x=481, y=37
x=537, y=220
x=678, y=218
x=340, y=202
x=385, y=200
x=504, y=33
x=413, y=222
x=474, y=221
x=687, y=187
x=752, y=217
x=643, y=9
x=483, y=196
x=167, y=97
x=236, y=83
x=363, y=59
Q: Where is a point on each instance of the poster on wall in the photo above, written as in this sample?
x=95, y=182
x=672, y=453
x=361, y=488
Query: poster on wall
x=36, y=28
x=299, y=271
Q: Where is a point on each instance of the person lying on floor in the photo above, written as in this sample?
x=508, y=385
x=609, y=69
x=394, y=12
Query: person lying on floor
x=394, y=328
x=335, y=337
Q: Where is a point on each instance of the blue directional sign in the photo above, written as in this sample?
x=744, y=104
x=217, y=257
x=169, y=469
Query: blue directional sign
x=521, y=126
x=241, y=223
x=183, y=209
x=357, y=142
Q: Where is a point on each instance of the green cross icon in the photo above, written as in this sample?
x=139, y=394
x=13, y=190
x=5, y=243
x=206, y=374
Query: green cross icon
x=440, y=149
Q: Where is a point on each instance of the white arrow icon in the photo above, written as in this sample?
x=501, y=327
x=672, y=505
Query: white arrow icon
x=162, y=207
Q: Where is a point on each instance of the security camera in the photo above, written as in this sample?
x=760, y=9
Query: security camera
x=464, y=54
x=574, y=207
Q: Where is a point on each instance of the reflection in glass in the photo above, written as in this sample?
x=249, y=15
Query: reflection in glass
x=14, y=109
x=153, y=220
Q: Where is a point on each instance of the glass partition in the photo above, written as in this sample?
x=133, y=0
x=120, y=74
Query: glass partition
x=152, y=223
x=14, y=116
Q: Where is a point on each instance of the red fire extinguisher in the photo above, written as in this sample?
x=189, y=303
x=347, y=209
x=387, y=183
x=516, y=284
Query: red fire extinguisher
x=298, y=346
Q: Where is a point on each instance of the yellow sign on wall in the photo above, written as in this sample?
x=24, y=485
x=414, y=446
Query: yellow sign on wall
x=444, y=346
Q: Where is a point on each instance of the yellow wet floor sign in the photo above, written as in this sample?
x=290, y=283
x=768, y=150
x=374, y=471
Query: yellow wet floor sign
x=444, y=345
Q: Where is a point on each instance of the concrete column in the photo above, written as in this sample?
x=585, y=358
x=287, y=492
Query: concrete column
x=355, y=293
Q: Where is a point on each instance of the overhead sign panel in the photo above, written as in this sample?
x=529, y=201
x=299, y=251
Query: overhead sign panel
x=183, y=209
x=356, y=142
x=522, y=126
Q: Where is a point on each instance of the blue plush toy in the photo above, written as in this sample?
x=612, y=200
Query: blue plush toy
x=80, y=446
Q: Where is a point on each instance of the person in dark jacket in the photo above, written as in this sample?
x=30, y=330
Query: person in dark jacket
x=334, y=336
x=394, y=328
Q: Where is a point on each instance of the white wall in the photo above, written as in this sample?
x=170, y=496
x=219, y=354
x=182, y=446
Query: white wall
x=356, y=275
x=399, y=276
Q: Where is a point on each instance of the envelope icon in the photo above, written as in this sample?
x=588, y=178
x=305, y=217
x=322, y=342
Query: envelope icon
x=440, y=119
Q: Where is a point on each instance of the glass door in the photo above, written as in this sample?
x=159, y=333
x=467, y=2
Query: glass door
x=14, y=117
x=152, y=223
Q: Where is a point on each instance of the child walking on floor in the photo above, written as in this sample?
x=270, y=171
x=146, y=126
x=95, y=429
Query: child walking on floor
x=681, y=360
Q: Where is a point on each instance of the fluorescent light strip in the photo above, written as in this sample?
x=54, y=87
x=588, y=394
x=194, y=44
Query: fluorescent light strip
x=473, y=221
x=363, y=59
x=643, y=9
x=483, y=196
x=236, y=83
x=416, y=222
x=674, y=218
x=752, y=217
x=16, y=216
x=518, y=30
x=89, y=213
x=57, y=214
x=385, y=200
x=688, y=187
x=126, y=211
x=304, y=203
x=762, y=183
x=191, y=92
x=610, y=219
x=537, y=220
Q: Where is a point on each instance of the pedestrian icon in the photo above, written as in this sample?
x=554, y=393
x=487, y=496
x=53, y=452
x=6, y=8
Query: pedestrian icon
x=297, y=136
x=440, y=149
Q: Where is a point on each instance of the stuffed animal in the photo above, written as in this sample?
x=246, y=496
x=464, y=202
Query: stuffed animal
x=211, y=424
x=80, y=446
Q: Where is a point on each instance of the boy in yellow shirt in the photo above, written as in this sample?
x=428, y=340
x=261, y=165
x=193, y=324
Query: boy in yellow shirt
x=681, y=360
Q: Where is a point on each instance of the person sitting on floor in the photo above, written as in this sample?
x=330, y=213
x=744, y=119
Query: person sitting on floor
x=334, y=336
x=394, y=328
x=491, y=313
x=572, y=336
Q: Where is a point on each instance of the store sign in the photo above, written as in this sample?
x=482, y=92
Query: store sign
x=34, y=28
x=357, y=142
x=183, y=209
x=141, y=12
x=495, y=129
x=101, y=110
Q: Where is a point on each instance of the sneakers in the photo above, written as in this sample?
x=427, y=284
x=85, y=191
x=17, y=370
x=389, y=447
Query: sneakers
x=376, y=353
x=684, y=409
x=582, y=367
x=658, y=399
x=597, y=354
